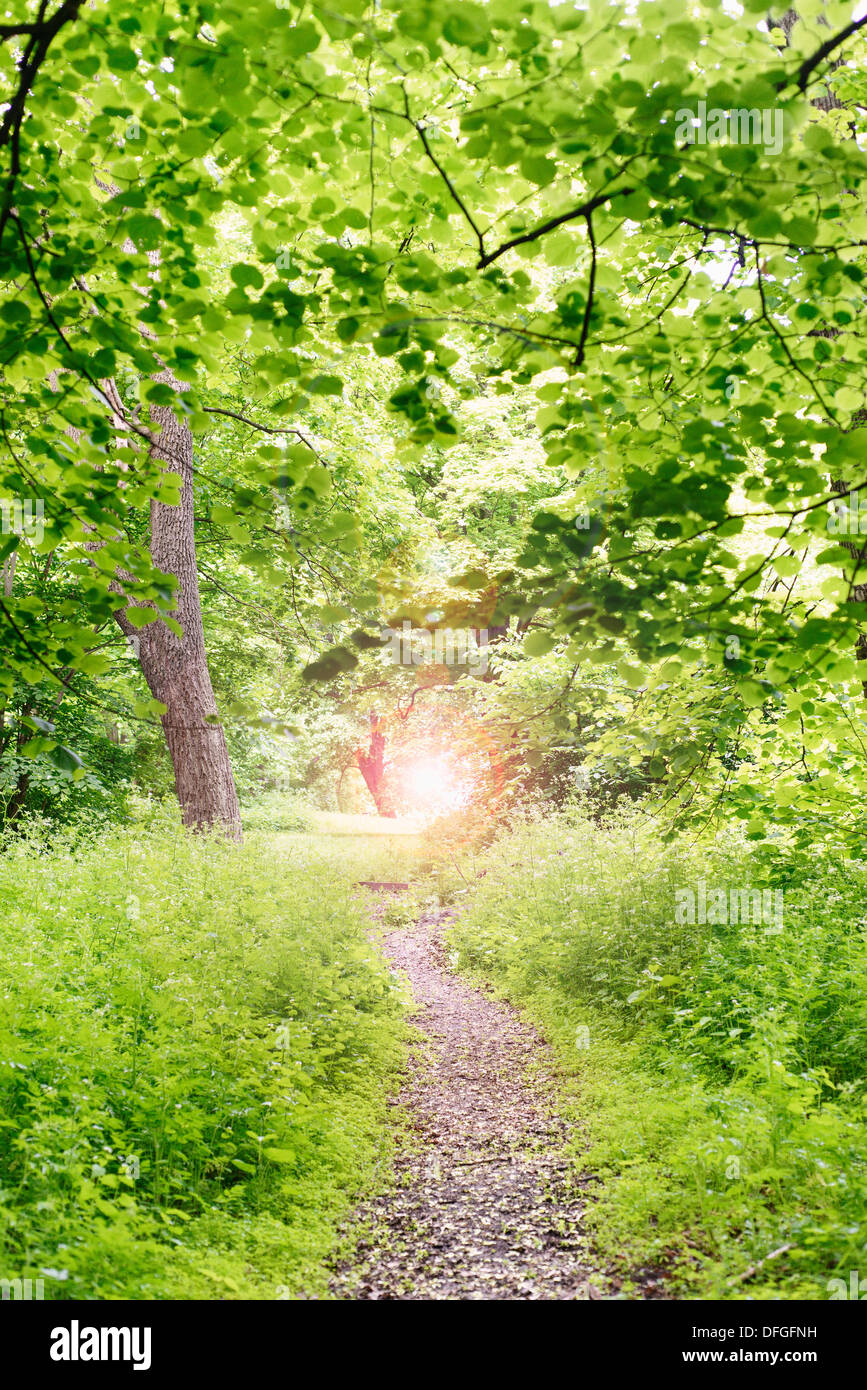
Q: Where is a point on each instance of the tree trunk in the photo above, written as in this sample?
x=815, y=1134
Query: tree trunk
x=371, y=767
x=176, y=668
x=15, y=804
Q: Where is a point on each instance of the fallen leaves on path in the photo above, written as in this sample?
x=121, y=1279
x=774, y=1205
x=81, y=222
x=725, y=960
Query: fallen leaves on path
x=486, y=1205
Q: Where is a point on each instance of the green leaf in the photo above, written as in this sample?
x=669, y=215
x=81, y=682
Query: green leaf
x=325, y=386
x=300, y=39
x=538, y=643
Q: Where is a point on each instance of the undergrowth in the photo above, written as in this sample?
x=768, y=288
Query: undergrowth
x=196, y=1046
x=718, y=1068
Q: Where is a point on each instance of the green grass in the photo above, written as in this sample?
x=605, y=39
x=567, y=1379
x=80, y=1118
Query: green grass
x=716, y=1072
x=197, y=1042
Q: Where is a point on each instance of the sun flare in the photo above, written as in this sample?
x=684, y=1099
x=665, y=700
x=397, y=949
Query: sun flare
x=435, y=786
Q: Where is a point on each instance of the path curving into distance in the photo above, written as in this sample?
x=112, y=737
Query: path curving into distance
x=485, y=1204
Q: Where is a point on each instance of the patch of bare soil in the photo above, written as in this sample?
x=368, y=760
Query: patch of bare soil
x=486, y=1205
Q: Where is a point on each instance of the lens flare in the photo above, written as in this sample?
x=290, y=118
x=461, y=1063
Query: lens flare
x=435, y=786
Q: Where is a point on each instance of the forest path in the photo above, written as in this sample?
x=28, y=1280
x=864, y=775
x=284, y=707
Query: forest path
x=486, y=1205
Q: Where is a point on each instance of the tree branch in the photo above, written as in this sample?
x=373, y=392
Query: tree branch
x=591, y=286
x=583, y=211
x=811, y=63
x=420, y=131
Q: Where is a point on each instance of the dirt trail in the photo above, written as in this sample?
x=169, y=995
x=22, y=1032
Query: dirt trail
x=487, y=1207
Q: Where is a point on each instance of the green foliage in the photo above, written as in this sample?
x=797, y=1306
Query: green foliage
x=277, y=811
x=719, y=1084
x=452, y=250
x=93, y=781
x=196, y=1045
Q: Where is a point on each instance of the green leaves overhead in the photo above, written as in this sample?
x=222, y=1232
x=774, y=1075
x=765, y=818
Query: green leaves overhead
x=639, y=213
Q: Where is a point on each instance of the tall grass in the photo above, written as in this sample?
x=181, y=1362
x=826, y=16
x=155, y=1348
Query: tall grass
x=718, y=1069
x=196, y=1042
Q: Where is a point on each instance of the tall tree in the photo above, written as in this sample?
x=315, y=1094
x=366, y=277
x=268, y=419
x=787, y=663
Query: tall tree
x=175, y=664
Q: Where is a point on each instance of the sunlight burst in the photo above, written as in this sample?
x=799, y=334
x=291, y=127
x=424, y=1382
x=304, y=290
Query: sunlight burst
x=434, y=785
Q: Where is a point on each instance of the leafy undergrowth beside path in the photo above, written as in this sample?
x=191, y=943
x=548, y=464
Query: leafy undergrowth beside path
x=718, y=1068
x=196, y=1047
x=198, y=1043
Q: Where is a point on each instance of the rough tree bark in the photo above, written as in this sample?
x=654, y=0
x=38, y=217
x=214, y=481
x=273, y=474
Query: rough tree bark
x=176, y=668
